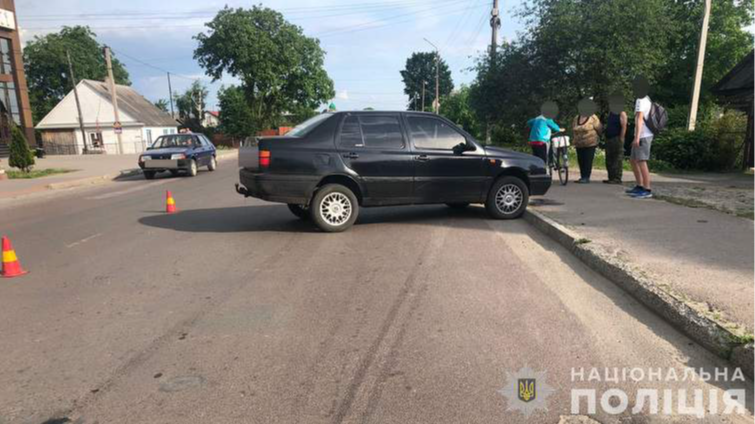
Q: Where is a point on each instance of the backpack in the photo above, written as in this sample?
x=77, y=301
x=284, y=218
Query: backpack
x=657, y=119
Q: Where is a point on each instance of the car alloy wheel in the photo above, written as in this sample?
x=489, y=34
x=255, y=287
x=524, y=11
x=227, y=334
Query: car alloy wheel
x=335, y=209
x=509, y=199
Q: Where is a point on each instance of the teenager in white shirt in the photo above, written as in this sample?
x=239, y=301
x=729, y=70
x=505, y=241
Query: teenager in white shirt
x=643, y=139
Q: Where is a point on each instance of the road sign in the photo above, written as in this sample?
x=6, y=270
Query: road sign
x=117, y=127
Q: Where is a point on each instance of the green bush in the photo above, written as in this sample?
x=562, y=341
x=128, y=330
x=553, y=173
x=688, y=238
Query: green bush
x=727, y=134
x=21, y=156
x=683, y=149
x=713, y=146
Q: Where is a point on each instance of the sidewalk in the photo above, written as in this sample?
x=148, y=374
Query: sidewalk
x=703, y=255
x=91, y=169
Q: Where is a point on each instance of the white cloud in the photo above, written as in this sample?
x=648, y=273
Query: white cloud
x=342, y=95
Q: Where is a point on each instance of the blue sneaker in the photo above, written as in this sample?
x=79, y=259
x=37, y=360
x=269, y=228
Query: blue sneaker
x=644, y=194
x=635, y=190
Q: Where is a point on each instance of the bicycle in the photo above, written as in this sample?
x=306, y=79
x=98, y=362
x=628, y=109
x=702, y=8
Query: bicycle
x=560, y=159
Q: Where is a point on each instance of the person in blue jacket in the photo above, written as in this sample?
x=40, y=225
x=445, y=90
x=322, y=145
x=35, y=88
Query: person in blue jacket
x=541, y=129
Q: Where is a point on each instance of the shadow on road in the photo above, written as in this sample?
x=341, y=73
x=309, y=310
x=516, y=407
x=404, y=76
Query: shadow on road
x=274, y=217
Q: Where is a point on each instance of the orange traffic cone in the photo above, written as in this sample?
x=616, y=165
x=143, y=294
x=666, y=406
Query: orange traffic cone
x=11, y=266
x=170, y=204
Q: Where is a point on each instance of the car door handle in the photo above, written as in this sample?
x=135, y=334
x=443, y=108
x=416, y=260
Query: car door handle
x=351, y=155
x=422, y=158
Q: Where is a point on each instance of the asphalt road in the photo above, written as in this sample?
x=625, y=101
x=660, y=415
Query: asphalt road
x=233, y=311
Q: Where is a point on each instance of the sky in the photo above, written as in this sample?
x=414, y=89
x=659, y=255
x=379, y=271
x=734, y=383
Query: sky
x=366, y=42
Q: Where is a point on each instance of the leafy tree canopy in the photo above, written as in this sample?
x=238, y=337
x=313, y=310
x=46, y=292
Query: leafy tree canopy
x=46, y=66
x=281, y=70
x=163, y=105
x=236, y=118
x=579, y=48
x=456, y=107
x=419, y=70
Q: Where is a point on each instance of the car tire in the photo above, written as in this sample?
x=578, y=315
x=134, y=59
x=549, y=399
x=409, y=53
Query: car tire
x=459, y=205
x=213, y=165
x=300, y=211
x=334, y=208
x=508, y=198
x=192, y=170
x=149, y=175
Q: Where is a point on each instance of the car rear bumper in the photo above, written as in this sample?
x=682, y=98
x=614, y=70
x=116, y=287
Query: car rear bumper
x=296, y=189
x=539, y=184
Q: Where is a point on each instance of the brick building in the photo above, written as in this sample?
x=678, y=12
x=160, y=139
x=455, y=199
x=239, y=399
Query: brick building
x=14, y=96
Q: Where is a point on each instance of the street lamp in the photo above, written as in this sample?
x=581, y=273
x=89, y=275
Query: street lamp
x=436, y=103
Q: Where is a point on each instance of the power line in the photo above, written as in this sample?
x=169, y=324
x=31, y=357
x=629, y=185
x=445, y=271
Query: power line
x=315, y=10
x=121, y=53
x=384, y=22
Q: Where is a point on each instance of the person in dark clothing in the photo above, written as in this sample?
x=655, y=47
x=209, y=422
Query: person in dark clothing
x=616, y=130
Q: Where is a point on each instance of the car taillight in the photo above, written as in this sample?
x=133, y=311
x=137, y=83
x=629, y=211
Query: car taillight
x=264, y=158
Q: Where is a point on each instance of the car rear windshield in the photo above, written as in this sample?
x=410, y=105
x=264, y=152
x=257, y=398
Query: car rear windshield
x=174, y=140
x=308, y=125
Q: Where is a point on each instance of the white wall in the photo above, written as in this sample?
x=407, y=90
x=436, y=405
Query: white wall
x=131, y=138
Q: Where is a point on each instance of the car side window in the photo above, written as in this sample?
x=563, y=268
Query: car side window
x=434, y=134
x=351, y=133
x=382, y=132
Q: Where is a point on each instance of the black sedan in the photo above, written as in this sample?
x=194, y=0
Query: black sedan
x=178, y=152
x=329, y=167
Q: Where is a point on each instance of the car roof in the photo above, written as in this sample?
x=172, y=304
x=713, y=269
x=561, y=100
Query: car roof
x=386, y=111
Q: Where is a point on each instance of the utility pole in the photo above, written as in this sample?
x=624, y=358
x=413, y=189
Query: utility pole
x=170, y=96
x=78, y=105
x=436, y=102
x=424, y=83
x=114, y=97
x=495, y=23
x=699, y=69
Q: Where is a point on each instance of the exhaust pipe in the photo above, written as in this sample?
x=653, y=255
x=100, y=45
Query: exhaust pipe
x=242, y=190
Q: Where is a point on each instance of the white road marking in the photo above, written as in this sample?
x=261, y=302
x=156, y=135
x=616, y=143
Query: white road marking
x=130, y=190
x=84, y=240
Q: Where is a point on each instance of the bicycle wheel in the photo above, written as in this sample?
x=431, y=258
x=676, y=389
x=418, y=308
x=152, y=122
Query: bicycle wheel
x=562, y=164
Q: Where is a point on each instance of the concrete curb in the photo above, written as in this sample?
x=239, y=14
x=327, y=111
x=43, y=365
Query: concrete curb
x=99, y=179
x=718, y=336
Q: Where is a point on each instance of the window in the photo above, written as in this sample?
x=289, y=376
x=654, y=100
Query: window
x=178, y=140
x=96, y=139
x=308, y=125
x=382, y=132
x=432, y=133
x=351, y=134
x=149, y=136
x=10, y=101
x=5, y=56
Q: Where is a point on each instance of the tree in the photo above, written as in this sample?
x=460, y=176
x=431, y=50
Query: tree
x=46, y=66
x=578, y=48
x=21, y=156
x=419, y=70
x=456, y=107
x=236, y=118
x=190, y=106
x=162, y=104
x=280, y=69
